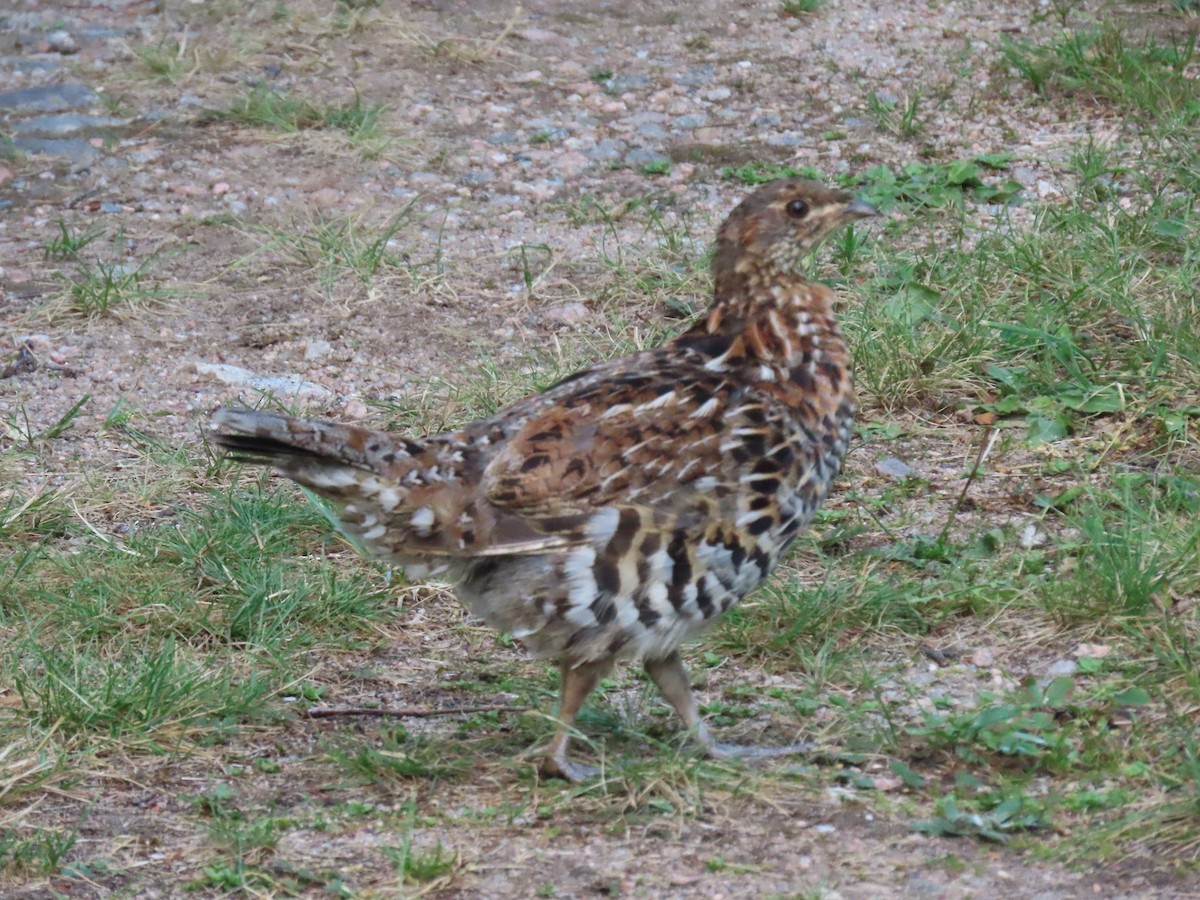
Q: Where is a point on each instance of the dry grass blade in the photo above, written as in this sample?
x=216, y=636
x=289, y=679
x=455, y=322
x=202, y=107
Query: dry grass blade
x=26, y=765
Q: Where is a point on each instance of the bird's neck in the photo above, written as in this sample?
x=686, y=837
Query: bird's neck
x=780, y=332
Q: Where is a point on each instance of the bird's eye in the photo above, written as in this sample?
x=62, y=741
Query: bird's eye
x=798, y=209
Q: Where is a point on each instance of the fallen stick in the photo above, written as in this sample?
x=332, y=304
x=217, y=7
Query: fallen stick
x=412, y=713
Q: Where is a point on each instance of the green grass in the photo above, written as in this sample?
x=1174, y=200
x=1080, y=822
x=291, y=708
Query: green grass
x=800, y=7
x=167, y=60
x=416, y=866
x=1009, y=658
x=262, y=107
x=69, y=242
x=107, y=289
x=161, y=627
x=1147, y=79
x=338, y=247
x=896, y=117
x=1065, y=329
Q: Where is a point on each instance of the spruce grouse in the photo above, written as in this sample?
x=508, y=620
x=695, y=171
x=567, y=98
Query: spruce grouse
x=630, y=505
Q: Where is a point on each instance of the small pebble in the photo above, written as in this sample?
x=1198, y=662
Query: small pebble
x=893, y=468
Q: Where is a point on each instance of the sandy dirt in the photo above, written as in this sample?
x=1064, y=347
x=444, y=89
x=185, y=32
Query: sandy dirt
x=520, y=144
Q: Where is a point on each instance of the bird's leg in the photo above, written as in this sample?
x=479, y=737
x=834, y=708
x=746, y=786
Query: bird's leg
x=672, y=680
x=577, y=683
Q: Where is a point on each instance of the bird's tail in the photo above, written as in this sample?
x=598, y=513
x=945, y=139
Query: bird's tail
x=321, y=455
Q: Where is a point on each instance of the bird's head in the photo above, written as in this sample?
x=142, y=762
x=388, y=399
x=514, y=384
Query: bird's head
x=775, y=227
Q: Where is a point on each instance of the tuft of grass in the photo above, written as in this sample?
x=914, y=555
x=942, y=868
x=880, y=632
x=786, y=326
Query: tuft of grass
x=896, y=117
x=1148, y=79
x=339, y=246
x=399, y=758
x=911, y=186
x=1075, y=315
x=166, y=60
x=160, y=626
x=70, y=242
x=130, y=693
x=104, y=289
x=18, y=425
x=41, y=850
x=362, y=122
x=754, y=173
x=421, y=868
x=1129, y=557
x=8, y=149
x=800, y=7
x=262, y=107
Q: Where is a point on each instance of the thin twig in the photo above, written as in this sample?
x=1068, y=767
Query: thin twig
x=985, y=448
x=412, y=713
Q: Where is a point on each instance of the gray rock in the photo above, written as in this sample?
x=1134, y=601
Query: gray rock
x=718, y=93
x=78, y=151
x=643, y=156
x=49, y=98
x=25, y=64
x=607, y=149
x=1062, y=667
x=537, y=35
x=291, y=385
x=62, y=42
x=893, y=468
x=766, y=121
x=316, y=349
x=651, y=130
x=696, y=75
x=1032, y=536
x=478, y=176
x=641, y=118
x=102, y=33
x=622, y=83
x=696, y=120
x=504, y=137
x=64, y=123
x=786, y=139
x=1026, y=175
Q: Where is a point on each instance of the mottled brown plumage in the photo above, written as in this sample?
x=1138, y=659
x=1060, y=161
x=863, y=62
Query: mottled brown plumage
x=634, y=502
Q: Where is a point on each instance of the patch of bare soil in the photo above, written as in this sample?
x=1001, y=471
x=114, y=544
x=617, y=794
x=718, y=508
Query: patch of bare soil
x=519, y=145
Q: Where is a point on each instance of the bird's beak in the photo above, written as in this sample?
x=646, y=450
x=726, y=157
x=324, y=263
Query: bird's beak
x=860, y=209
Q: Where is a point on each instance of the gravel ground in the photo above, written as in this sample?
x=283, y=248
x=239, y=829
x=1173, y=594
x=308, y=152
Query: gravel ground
x=520, y=137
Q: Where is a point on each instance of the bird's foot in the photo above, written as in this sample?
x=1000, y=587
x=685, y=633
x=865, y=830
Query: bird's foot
x=560, y=766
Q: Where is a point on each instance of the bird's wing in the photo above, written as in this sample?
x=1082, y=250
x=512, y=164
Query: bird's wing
x=661, y=436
